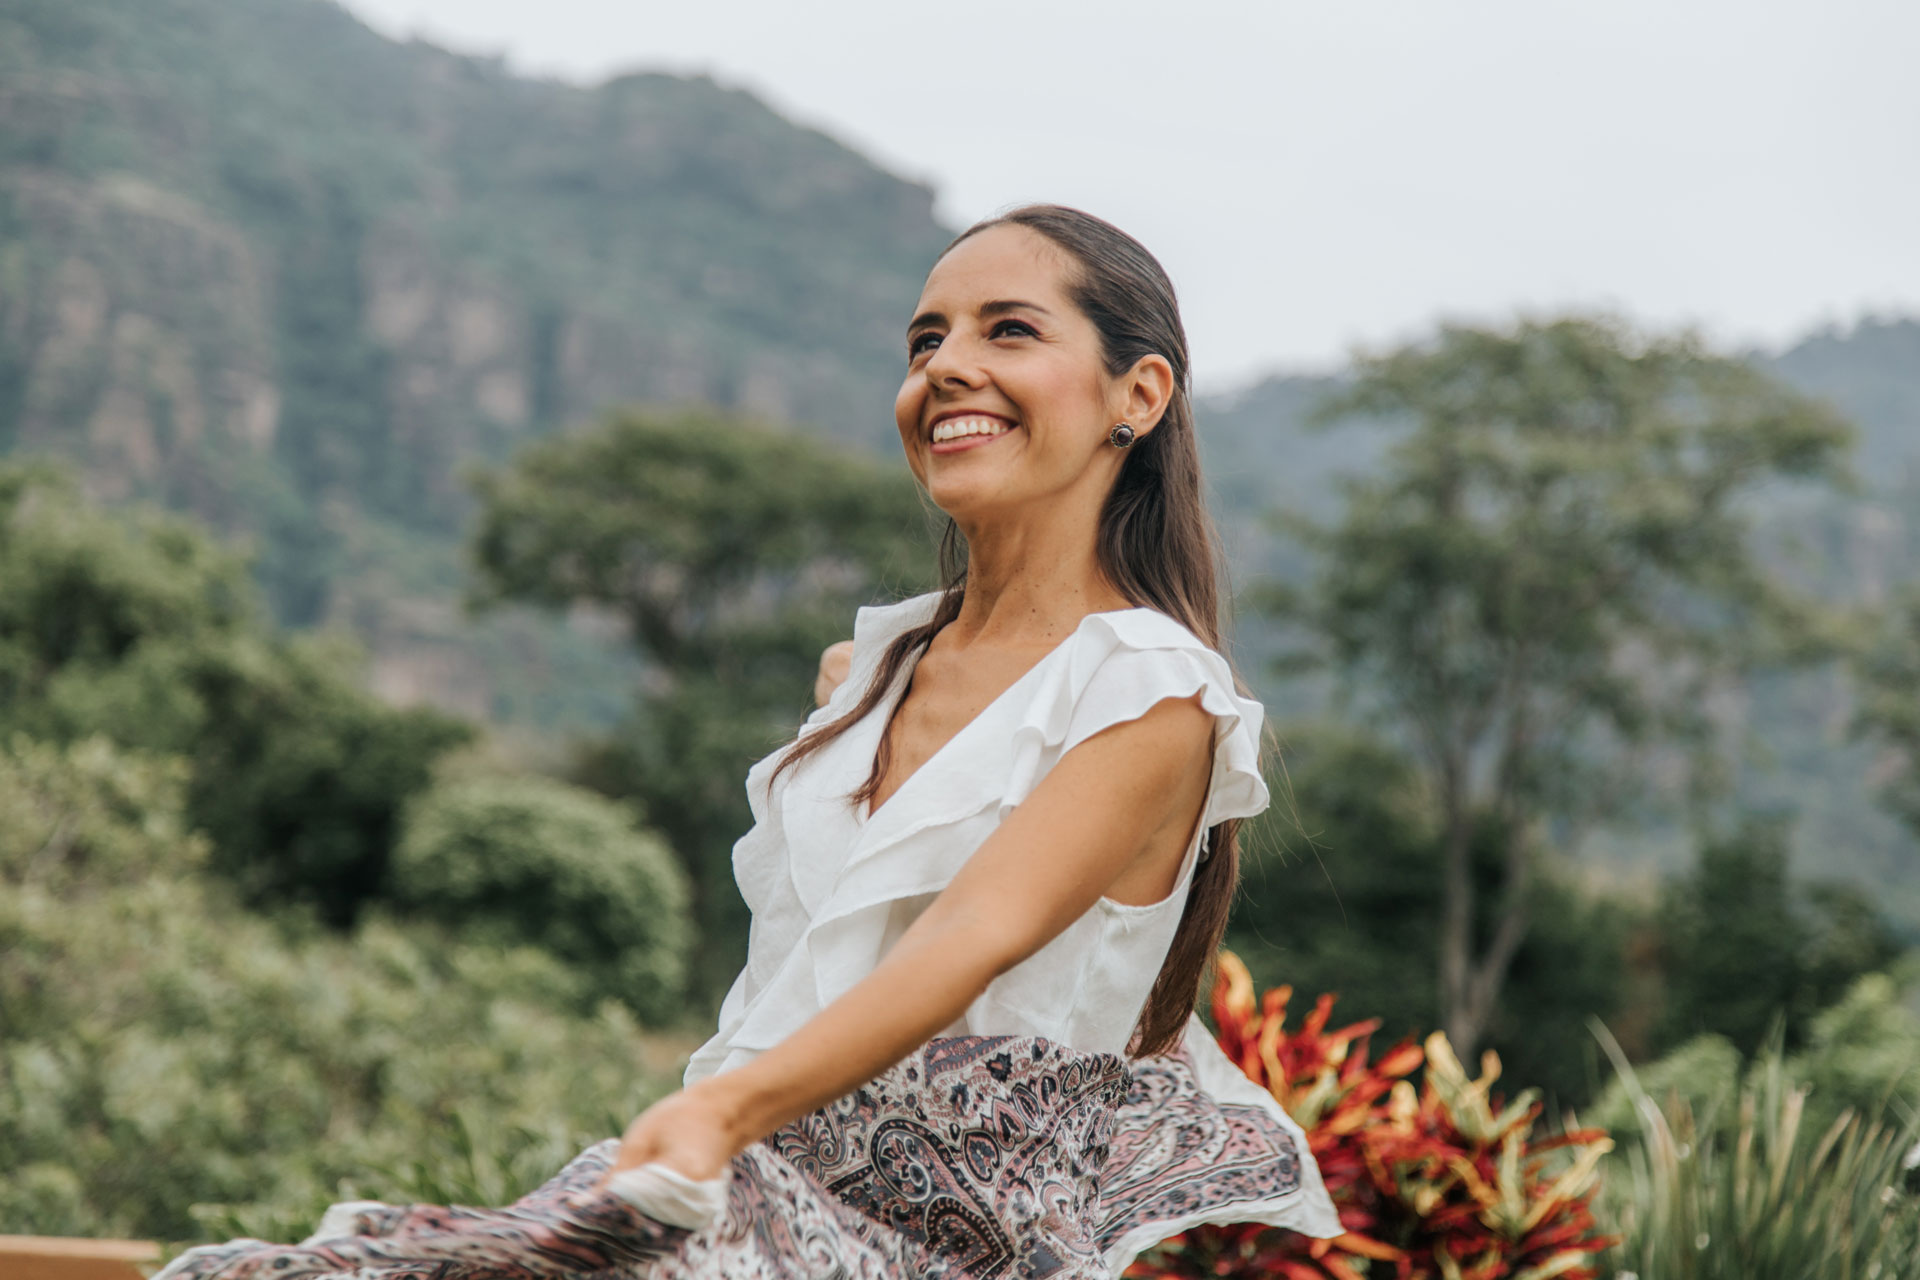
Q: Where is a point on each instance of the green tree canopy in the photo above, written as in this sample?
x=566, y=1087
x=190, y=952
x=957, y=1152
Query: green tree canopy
x=734, y=552
x=533, y=860
x=144, y=630
x=707, y=534
x=1542, y=583
x=1889, y=711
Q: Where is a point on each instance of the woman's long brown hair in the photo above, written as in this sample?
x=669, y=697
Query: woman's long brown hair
x=1157, y=544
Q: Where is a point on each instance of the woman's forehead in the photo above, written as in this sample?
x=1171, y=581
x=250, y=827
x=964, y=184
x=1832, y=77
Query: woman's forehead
x=1004, y=261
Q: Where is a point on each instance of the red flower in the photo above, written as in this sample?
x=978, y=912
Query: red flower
x=1446, y=1182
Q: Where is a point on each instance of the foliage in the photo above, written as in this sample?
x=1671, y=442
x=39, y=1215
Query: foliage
x=530, y=860
x=1448, y=1181
x=1554, y=560
x=1861, y=1056
x=1703, y=1073
x=1743, y=945
x=146, y=631
x=1769, y=1194
x=175, y=1067
x=1889, y=711
x=698, y=529
x=735, y=552
x=1863, y=1053
x=1343, y=886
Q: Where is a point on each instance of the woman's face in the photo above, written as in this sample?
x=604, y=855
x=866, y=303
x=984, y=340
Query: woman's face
x=1007, y=399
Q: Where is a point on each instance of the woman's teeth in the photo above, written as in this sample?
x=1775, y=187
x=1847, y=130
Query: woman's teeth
x=954, y=428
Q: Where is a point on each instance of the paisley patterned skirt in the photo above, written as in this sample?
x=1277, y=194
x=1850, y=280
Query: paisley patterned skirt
x=978, y=1157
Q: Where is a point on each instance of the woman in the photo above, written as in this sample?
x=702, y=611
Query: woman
x=986, y=876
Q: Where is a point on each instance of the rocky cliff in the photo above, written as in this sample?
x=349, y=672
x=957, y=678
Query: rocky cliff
x=259, y=262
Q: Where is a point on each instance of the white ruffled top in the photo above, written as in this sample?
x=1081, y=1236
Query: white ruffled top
x=831, y=889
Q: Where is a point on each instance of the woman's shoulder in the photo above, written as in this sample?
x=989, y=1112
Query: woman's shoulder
x=1128, y=659
x=1145, y=629
x=1122, y=663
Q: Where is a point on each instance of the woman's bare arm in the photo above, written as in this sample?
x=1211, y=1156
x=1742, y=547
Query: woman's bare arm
x=1131, y=789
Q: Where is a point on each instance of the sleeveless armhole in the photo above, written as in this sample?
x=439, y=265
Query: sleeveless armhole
x=1130, y=681
x=1159, y=659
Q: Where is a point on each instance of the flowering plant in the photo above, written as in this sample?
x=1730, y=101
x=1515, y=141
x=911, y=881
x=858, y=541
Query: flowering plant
x=1443, y=1182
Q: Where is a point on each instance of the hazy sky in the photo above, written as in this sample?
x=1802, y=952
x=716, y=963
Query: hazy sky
x=1320, y=175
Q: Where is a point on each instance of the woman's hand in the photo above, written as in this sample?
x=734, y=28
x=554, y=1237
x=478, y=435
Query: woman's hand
x=686, y=1131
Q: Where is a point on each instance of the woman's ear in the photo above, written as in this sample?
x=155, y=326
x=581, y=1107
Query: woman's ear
x=1148, y=391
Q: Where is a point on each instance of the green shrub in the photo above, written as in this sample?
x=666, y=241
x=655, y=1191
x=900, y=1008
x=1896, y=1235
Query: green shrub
x=1703, y=1075
x=530, y=860
x=1771, y=1194
x=1862, y=1055
x=173, y=1066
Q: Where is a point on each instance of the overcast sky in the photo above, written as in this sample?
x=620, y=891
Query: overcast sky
x=1321, y=175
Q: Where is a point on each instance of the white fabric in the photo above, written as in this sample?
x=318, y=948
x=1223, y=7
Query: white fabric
x=670, y=1196
x=831, y=889
x=342, y=1219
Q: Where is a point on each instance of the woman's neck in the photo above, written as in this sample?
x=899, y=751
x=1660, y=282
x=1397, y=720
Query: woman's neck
x=1032, y=586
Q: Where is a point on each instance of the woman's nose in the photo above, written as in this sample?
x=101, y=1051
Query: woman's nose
x=954, y=363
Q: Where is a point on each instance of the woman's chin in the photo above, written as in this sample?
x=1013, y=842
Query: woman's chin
x=962, y=496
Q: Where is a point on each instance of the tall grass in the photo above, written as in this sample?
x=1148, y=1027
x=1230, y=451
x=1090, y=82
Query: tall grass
x=1744, y=1190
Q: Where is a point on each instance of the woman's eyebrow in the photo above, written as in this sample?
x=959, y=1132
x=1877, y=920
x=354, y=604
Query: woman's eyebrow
x=1004, y=305
x=1000, y=306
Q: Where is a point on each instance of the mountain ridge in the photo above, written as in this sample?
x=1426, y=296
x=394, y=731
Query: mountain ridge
x=259, y=226
x=263, y=264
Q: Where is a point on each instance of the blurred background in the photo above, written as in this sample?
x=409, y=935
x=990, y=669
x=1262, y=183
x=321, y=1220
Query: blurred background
x=437, y=440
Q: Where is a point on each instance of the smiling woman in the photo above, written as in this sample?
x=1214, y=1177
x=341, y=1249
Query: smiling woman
x=985, y=877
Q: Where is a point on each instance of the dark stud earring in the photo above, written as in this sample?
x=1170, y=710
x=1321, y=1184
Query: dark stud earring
x=1121, y=436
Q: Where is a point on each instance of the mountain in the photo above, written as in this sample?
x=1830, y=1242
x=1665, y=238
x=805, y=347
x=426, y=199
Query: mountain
x=260, y=263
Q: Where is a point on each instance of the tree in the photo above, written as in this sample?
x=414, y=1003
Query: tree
x=733, y=552
x=1888, y=677
x=1545, y=580
x=1342, y=876
x=1745, y=948
x=144, y=630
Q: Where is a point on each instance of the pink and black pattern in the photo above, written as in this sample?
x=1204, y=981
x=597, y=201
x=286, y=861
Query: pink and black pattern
x=1178, y=1153
x=977, y=1158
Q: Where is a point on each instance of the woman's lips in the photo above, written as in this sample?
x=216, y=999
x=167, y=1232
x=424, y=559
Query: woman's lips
x=958, y=433
x=965, y=443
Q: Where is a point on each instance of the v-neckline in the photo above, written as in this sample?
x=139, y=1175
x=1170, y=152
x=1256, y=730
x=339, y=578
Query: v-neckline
x=861, y=811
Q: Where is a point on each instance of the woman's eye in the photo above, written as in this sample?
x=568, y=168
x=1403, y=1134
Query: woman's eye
x=921, y=343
